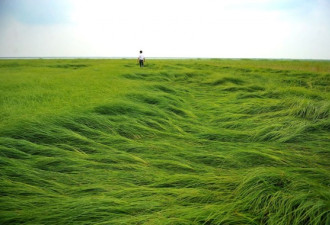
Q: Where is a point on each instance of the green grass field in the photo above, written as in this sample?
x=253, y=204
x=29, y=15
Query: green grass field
x=176, y=142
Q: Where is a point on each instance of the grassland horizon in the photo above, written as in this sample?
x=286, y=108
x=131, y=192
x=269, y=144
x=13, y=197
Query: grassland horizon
x=180, y=141
x=160, y=58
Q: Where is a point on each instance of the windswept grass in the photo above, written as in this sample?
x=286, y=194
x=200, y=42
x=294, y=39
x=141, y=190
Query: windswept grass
x=176, y=142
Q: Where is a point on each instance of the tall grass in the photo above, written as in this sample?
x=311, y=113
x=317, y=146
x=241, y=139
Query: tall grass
x=176, y=142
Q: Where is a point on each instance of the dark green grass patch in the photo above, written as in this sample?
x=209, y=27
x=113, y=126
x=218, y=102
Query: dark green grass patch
x=68, y=66
x=227, y=80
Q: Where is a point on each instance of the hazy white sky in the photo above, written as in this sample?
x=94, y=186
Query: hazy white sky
x=165, y=28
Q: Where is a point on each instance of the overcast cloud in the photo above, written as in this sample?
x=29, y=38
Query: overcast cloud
x=173, y=28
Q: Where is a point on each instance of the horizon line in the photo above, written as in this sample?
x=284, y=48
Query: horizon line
x=129, y=57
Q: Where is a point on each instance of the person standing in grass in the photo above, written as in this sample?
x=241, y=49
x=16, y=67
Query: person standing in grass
x=141, y=59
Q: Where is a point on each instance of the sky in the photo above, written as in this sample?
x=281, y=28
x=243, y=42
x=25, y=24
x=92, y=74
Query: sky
x=294, y=29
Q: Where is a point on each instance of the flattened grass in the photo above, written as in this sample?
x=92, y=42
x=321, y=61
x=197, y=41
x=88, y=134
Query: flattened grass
x=176, y=142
